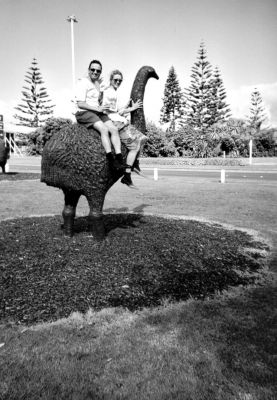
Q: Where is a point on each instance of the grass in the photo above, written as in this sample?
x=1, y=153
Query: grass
x=221, y=348
x=194, y=350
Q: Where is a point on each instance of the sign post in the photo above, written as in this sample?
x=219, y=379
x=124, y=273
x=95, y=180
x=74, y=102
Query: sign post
x=222, y=176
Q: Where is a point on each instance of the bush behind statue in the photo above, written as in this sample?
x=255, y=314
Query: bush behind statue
x=38, y=138
x=231, y=137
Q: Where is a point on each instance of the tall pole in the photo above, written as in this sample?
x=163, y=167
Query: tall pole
x=72, y=19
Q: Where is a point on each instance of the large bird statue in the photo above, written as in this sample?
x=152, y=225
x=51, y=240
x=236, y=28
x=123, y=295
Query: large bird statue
x=74, y=160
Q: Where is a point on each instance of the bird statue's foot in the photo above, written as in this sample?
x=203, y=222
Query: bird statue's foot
x=68, y=226
x=68, y=221
x=96, y=227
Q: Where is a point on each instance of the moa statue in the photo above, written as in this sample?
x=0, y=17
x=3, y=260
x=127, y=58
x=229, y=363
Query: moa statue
x=74, y=160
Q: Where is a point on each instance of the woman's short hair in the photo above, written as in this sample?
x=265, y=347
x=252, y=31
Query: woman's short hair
x=115, y=72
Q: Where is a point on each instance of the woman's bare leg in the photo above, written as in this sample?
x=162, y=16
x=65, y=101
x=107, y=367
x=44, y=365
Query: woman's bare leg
x=115, y=139
x=131, y=157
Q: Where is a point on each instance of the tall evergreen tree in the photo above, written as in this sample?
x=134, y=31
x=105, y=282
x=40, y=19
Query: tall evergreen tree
x=172, y=100
x=35, y=107
x=199, y=101
x=220, y=110
x=257, y=111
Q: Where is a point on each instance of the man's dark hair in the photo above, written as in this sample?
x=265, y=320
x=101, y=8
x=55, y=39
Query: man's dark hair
x=95, y=62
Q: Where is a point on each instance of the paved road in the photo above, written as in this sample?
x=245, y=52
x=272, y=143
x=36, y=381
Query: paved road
x=270, y=175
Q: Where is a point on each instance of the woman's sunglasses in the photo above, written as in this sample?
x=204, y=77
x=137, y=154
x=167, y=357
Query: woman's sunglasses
x=117, y=80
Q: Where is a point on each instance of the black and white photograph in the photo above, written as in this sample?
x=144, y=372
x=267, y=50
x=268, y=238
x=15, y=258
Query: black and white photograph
x=138, y=200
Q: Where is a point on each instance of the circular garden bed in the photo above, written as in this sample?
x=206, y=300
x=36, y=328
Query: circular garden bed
x=143, y=261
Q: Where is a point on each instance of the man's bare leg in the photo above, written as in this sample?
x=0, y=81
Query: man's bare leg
x=117, y=163
x=105, y=137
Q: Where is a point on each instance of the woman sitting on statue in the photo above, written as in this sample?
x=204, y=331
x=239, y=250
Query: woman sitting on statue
x=130, y=136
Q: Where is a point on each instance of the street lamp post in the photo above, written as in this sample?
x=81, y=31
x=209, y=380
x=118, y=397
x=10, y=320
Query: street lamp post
x=72, y=19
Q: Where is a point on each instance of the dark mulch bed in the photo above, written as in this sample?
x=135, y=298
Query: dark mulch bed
x=144, y=260
x=19, y=176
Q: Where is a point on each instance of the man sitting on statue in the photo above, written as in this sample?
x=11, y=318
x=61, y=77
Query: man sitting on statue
x=91, y=114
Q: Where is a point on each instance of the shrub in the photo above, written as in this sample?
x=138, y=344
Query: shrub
x=265, y=143
x=180, y=141
x=21, y=139
x=157, y=142
x=169, y=149
x=232, y=136
x=241, y=146
x=193, y=142
x=38, y=138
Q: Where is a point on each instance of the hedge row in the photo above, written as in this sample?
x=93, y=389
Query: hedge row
x=230, y=138
x=182, y=161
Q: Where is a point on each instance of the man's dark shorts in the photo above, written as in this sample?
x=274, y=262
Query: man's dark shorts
x=88, y=118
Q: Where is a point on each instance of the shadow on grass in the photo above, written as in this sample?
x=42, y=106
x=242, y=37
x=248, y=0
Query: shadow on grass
x=139, y=209
x=143, y=261
x=111, y=222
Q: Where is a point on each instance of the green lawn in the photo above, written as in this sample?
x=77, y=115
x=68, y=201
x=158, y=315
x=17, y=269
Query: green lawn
x=221, y=348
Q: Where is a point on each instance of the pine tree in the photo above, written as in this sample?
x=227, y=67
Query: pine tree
x=35, y=107
x=199, y=101
x=172, y=100
x=257, y=111
x=220, y=110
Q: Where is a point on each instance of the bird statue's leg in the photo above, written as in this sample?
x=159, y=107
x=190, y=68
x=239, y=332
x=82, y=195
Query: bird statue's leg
x=95, y=219
x=70, y=203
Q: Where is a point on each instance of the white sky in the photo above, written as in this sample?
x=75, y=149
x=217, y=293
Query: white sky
x=240, y=38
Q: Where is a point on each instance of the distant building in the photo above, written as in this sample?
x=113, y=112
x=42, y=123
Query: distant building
x=15, y=136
